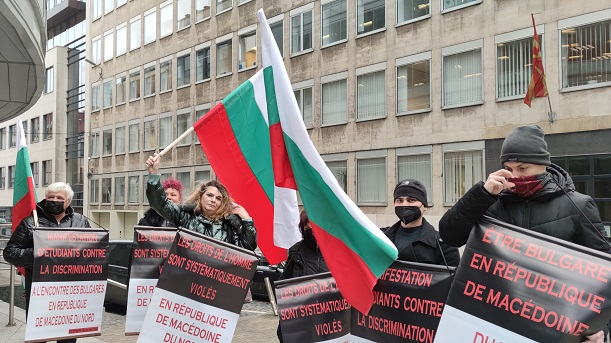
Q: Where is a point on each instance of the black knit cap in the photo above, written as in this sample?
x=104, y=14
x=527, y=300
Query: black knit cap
x=525, y=144
x=411, y=188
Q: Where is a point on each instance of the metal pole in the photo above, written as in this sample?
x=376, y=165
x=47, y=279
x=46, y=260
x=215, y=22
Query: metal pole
x=270, y=294
x=11, y=306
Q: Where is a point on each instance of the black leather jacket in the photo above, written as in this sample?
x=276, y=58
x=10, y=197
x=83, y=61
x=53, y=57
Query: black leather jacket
x=152, y=218
x=304, y=259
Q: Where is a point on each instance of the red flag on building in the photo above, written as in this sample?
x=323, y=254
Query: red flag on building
x=537, y=86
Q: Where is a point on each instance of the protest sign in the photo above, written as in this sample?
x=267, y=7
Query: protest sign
x=68, y=284
x=516, y=285
x=311, y=309
x=200, y=291
x=150, y=249
x=408, y=301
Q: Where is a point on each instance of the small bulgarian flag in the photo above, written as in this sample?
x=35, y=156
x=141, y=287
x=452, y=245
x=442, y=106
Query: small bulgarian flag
x=24, y=197
x=259, y=147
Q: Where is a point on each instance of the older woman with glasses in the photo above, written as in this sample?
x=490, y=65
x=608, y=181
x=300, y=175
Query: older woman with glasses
x=214, y=215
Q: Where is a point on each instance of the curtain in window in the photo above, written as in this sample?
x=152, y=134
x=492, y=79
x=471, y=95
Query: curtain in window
x=334, y=102
x=165, y=131
x=461, y=171
x=134, y=86
x=107, y=90
x=416, y=167
x=462, y=78
x=223, y=58
x=513, y=67
x=340, y=171
x=371, y=177
x=133, y=189
x=93, y=191
x=371, y=94
x=119, y=190
x=165, y=76
x=586, y=54
x=120, y=140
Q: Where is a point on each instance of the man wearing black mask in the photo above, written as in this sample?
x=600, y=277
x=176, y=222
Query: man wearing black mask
x=416, y=239
x=53, y=211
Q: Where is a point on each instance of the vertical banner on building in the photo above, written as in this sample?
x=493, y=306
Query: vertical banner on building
x=150, y=249
x=515, y=285
x=68, y=284
x=200, y=291
x=408, y=302
x=311, y=309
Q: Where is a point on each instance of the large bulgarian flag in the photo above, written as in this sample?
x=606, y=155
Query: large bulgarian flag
x=257, y=136
x=24, y=197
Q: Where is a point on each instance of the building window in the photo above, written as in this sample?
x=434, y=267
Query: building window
x=183, y=14
x=202, y=66
x=301, y=32
x=108, y=45
x=278, y=33
x=107, y=142
x=96, y=51
x=106, y=190
x=3, y=138
x=134, y=137
x=165, y=131
x=150, y=27
x=183, y=70
x=247, y=44
x=371, y=95
x=133, y=189
x=35, y=174
x=35, y=130
x=184, y=178
x=12, y=136
x=149, y=81
x=96, y=9
x=94, y=191
x=455, y=4
x=135, y=33
x=107, y=93
x=223, y=58
x=149, y=135
x=202, y=9
x=334, y=17
x=461, y=170
x=94, y=144
x=120, y=140
x=514, y=67
x=47, y=126
x=166, y=20
x=414, y=86
x=370, y=16
x=201, y=176
x=334, y=102
x=371, y=180
x=416, y=165
x=120, y=85
x=340, y=171
x=165, y=75
x=410, y=10
x=109, y=5
x=463, y=78
x=11, y=176
x=2, y=177
x=121, y=37
x=47, y=172
x=95, y=97
x=134, y=85
x=50, y=80
x=305, y=101
x=120, y=190
x=198, y=115
x=586, y=54
x=222, y=5
x=183, y=123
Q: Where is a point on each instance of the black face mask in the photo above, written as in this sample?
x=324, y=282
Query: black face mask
x=308, y=238
x=54, y=207
x=408, y=214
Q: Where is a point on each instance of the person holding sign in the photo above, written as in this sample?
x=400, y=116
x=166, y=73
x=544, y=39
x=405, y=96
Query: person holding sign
x=214, y=215
x=173, y=192
x=53, y=211
x=416, y=239
x=531, y=192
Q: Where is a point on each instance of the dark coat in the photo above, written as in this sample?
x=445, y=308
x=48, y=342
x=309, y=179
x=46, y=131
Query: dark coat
x=304, y=259
x=554, y=211
x=428, y=248
x=152, y=218
x=233, y=230
x=19, y=250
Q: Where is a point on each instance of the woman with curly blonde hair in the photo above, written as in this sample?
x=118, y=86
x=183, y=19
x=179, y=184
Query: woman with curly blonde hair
x=212, y=213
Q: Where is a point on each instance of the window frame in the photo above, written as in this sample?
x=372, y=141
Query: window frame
x=458, y=49
x=413, y=20
x=123, y=78
x=153, y=121
x=323, y=3
x=244, y=34
x=368, y=156
x=34, y=130
x=458, y=7
x=369, y=70
x=165, y=140
x=179, y=131
x=107, y=150
x=123, y=28
x=47, y=172
x=109, y=39
x=117, y=192
x=139, y=88
x=338, y=157
x=300, y=87
x=118, y=137
x=49, y=80
x=137, y=20
x=190, y=13
x=327, y=79
x=472, y=146
x=186, y=68
x=94, y=191
x=131, y=177
x=151, y=13
x=300, y=11
x=163, y=7
x=47, y=132
x=130, y=124
x=152, y=79
x=166, y=61
x=374, y=31
x=94, y=143
x=109, y=187
x=221, y=41
x=405, y=62
x=109, y=82
x=202, y=48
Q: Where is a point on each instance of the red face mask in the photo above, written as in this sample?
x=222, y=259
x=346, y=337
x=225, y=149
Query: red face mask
x=527, y=186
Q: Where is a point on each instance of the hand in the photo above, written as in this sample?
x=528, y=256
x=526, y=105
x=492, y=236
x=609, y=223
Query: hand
x=240, y=211
x=152, y=164
x=598, y=337
x=497, y=181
